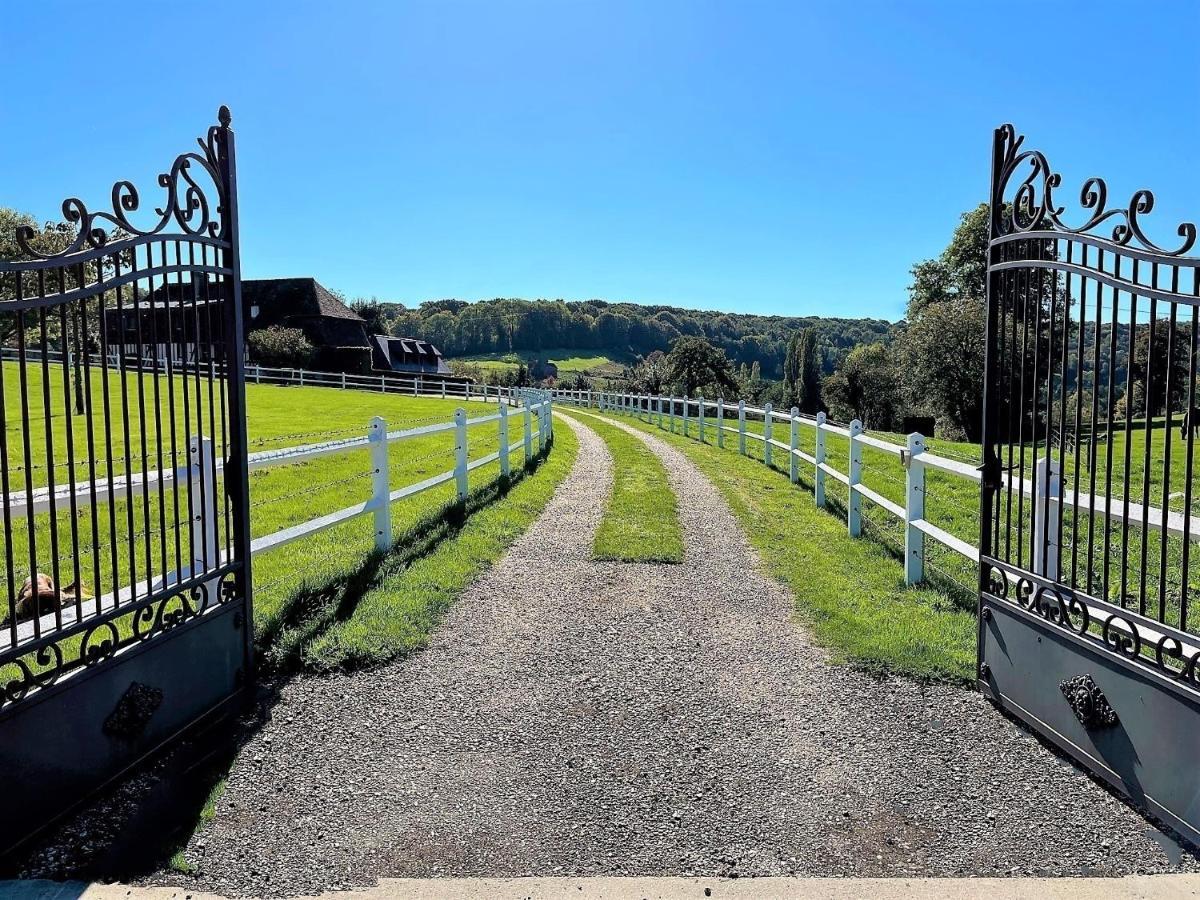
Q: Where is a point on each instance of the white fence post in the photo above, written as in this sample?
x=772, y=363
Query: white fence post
x=443, y=388
x=258, y=374
x=700, y=415
x=742, y=427
x=671, y=412
x=686, y=401
x=460, y=453
x=794, y=445
x=768, y=433
x=380, y=491
x=542, y=426
x=914, y=510
x=720, y=421
x=819, y=456
x=528, y=431
x=301, y=378
x=202, y=489
x=503, y=412
x=343, y=381
x=853, y=498
x=1047, y=503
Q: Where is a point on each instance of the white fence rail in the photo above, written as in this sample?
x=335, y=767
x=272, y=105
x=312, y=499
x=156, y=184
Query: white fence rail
x=532, y=408
x=913, y=457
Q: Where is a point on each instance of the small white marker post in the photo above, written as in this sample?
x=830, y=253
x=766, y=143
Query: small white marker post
x=742, y=427
x=794, y=445
x=768, y=433
x=819, y=456
x=1047, y=502
x=202, y=488
x=378, y=441
x=914, y=510
x=503, y=429
x=853, y=498
x=460, y=453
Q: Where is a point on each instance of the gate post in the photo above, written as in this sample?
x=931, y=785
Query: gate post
x=793, y=446
x=742, y=427
x=721, y=422
x=503, y=427
x=378, y=439
x=460, y=453
x=819, y=456
x=853, y=498
x=202, y=488
x=914, y=510
x=768, y=433
x=1047, y=504
x=700, y=416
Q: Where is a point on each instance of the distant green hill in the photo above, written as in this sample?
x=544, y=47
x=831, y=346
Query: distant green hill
x=582, y=335
x=598, y=363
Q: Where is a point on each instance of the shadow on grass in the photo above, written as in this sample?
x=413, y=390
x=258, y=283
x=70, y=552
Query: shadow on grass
x=317, y=606
x=143, y=824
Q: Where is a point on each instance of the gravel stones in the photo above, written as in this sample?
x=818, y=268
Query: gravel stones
x=581, y=718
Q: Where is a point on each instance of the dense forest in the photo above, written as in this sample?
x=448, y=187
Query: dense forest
x=459, y=328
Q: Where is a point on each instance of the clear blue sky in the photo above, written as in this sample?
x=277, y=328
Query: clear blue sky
x=783, y=158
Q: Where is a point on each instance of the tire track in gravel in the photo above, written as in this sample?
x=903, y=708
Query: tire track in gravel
x=572, y=717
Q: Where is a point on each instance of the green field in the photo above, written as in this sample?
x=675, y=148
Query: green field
x=281, y=496
x=952, y=503
x=596, y=364
x=641, y=521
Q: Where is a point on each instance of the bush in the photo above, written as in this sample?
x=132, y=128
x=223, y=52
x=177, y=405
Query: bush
x=280, y=347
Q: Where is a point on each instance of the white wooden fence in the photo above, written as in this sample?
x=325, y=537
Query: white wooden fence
x=913, y=457
x=531, y=409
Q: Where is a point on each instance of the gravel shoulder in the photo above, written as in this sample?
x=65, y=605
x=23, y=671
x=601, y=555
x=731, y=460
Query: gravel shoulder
x=575, y=718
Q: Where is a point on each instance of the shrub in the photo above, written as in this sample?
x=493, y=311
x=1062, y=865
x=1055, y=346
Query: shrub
x=281, y=347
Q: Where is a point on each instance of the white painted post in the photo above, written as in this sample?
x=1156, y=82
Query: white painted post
x=468, y=391
x=819, y=455
x=700, y=416
x=742, y=427
x=720, y=421
x=853, y=498
x=794, y=444
x=671, y=410
x=914, y=510
x=542, y=426
x=686, y=401
x=660, y=411
x=383, y=386
x=202, y=488
x=460, y=453
x=589, y=399
x=377, y=438
x=301, y=378
x=443, y=388
x=258, y=374
x=343, y=381
x=503, y=411
x=1048, y=485
x=768, y=433
x=528, y=430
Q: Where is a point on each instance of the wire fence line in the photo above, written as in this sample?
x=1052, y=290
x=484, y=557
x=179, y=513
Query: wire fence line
x=528, y=413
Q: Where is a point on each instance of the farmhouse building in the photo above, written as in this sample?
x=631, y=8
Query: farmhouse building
x=401, y=354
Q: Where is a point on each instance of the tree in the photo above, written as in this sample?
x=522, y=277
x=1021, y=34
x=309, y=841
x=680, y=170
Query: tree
x=961, y=270
x=695, y=364
x=941, y=356
x=791, y=371
x=1154, y=367
x=865, y=387
x=279, y=346
x=808, y=378
x=373, y=313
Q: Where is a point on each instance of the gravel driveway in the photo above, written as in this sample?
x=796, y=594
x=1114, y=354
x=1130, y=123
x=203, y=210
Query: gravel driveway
x=573, y=717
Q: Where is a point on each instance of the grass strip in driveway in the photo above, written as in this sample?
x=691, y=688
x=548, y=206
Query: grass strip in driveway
x=641, y=521
x=850, y=591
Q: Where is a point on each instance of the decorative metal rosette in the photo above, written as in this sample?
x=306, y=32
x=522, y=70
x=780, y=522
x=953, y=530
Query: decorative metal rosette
x=194, y=202
x=1033, y=207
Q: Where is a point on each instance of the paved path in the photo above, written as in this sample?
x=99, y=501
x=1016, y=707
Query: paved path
x=577, y=718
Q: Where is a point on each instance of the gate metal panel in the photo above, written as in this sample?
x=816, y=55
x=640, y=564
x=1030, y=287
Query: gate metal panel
x=123, y=485
x=1088, y=510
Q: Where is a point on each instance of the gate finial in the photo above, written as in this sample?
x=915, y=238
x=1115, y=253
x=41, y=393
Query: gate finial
x=224, y=116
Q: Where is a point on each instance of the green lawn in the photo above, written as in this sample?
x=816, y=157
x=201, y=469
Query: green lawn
x=599, y=363
x=641, y=521
x=280, y=496
x=851, y=592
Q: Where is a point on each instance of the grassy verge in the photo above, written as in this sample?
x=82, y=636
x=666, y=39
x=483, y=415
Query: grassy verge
x=641, y=522
x=379, y=606
x=851, y=592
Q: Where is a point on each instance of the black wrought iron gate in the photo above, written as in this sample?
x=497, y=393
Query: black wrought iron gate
x=1088, y=501
x=123, y=484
